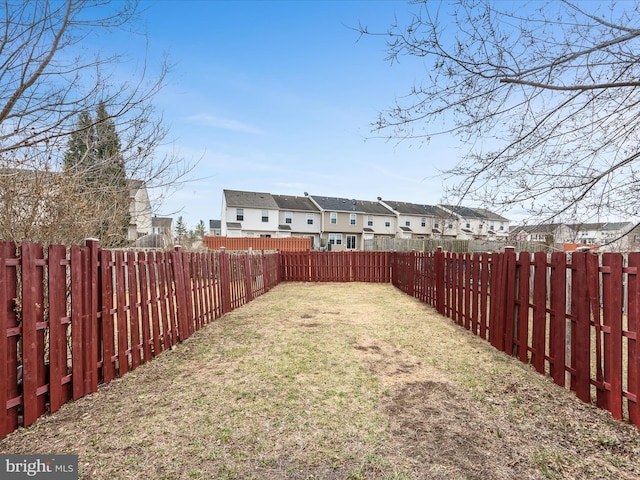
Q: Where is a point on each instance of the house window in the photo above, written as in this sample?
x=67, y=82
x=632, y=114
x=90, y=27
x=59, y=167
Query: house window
x=492, y=227
x=333, y=216
x=436, y=225
x=309, y=218
x=265, y=215
x=450, y=226
x=335, y=239
x=370, y=221
x=351, y=241
x=288, y=216
x=239, y=214
x=423, y=222
x=352, y=219
x=501, y=227
x=265, y=235
x=387, y=222
x=468, y=225
x=407, y=221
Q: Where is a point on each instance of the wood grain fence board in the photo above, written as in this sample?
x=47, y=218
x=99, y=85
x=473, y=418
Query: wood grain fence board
x=77, y=324
x=593, y=288
x=58, y=321
x=7, y=384
x=178, y=278
x=510, y=327
x=581, y=329
x=122, y=321
x=164, y=295
x=9, y=394
x=145, y=306
x=497, y=299
x=156, y=333
x=108, y=340
x=522, y=279
x=167, y=260
x=557, y=317
x=193, y=279
x=484, y=294
x=475, y=293
x=612, y=316
x=33, y=328
x=633, y=352
x=208, y=285
x=83, y=341
x=89, y=337
x=468, y=270
x=134, y=309
x=539, y=331
x=247, y=277
x=94, y=306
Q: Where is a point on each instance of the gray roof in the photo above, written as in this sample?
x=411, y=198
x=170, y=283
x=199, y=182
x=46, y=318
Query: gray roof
x=291, y=203
x=490, y=215
x=406, y=208
x=350, y=205
x=336, y=204
x=165, y=222
x=236, y=198
x=480, y=213
x=610, y=226
x=234, y=225
x=540, y=228
x=464, y=212
x=372, y=207
x=215, y=224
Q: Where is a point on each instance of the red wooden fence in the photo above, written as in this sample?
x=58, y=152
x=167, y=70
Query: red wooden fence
x=70, y=321
x=284, y=244
x=74, y=320
x=572, y=316
x=344, y=266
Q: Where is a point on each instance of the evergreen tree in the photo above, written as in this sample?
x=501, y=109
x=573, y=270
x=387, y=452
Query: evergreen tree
x=81, y=144
x=94, y=156
x=181, y=227
x=200, y=230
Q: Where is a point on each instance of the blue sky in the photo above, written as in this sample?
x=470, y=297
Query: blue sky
x=278, y=96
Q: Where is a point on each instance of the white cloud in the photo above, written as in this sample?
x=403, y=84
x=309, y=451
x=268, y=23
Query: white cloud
x=212, y=121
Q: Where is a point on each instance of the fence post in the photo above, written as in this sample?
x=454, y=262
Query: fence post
x=581, y=328
x=57, y=274
x=557, y=320
x=509, y=299
x=225, y=282
x=612, y=318
x=94, y=306
x=181, y=299
x=439, y=279
x=411, y=281
x=33, y=348
x=247, y=277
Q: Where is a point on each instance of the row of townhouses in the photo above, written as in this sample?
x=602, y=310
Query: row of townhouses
x=611, y=236
x=343, y=223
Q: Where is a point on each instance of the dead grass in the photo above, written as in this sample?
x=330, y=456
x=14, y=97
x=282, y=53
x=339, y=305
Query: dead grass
x=335, y=381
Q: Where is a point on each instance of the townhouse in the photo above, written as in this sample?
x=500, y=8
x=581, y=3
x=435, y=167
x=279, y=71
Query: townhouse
x=474, y=223
x=417, y=221
x=298, y=217
x=342, y=223
x=347, y=223
x=606, y=236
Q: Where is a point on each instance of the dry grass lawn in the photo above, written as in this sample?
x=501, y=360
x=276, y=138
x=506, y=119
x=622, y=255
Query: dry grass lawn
x=335, y=381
